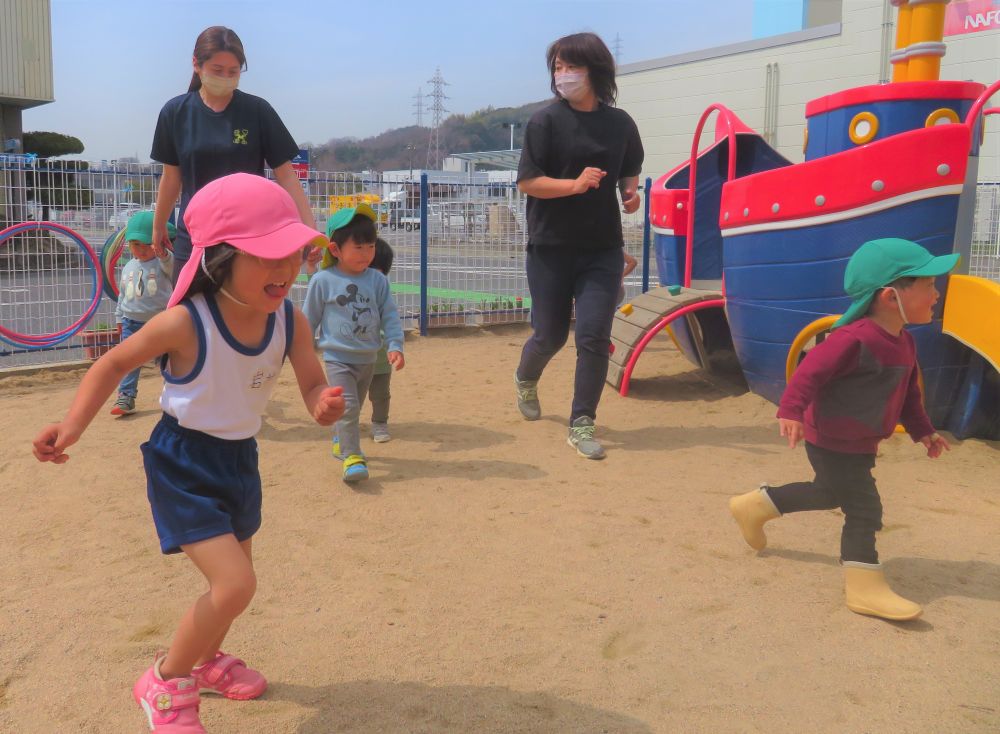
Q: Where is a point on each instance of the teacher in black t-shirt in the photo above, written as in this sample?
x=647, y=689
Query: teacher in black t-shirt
x=214, y=130
x=577, y=151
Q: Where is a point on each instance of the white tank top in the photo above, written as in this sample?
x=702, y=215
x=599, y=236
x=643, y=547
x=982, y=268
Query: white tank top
x=227, y=391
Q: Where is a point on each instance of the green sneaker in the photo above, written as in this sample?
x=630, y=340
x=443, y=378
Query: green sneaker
x=581, y=437
x=527, y=398
x=336, y=448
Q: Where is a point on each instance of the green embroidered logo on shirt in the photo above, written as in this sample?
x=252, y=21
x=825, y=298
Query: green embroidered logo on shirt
x=240, y=136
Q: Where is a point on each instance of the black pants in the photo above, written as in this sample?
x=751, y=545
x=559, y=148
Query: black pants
x=844, y=481
x=182, y=253
x=556, y=277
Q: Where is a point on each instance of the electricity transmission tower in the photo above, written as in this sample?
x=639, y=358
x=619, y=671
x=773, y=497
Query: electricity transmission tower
x=617, y=49
x=437, y=111
x=419, y=105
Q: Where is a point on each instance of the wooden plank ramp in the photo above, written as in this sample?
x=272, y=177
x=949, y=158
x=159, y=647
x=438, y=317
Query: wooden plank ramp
x=647, y=310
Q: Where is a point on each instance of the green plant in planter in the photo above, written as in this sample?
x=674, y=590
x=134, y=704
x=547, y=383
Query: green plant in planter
x=99, y=339
x=445, y=308
x=505, y=303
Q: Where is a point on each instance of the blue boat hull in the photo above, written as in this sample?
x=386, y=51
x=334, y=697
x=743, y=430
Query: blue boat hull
x=778, y=282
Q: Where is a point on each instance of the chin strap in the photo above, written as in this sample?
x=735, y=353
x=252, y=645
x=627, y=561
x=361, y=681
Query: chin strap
x=899, y=305
x=222, y=290
x=232, y=298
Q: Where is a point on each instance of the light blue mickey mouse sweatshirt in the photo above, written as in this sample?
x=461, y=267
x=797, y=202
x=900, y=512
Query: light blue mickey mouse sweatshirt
x=351, y=312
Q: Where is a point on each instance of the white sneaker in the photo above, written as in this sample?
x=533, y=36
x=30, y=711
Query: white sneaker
x=380, y=432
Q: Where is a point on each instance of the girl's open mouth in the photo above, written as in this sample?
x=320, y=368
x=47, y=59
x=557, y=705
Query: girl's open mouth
x=276, y=290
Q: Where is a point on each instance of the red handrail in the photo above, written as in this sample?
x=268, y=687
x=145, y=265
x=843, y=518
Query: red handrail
x=726, y=114
x=981, y=102
x=660, y=325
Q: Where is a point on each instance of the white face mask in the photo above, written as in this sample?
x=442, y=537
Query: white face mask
x=219, y=86
x=572, y=85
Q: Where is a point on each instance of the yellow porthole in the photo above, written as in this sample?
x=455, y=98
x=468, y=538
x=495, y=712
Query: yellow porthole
x=805, y=140
x=943, y=116
x=864, y=127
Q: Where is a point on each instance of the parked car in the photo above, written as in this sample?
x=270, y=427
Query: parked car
x=119, y=218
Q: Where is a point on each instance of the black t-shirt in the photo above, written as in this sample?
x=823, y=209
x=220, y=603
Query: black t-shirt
x=207, y=145
x=559, y=142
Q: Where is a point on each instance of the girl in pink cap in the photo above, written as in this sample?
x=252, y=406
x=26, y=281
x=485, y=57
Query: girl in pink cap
x=227, y=330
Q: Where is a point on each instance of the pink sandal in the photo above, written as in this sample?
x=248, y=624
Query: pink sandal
x=171, y=706
x=230, y=677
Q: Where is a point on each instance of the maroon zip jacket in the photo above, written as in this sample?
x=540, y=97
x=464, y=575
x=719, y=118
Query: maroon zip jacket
x=852, y=389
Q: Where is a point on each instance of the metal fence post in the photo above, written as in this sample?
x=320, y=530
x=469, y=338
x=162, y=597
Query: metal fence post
x=645, y=237
x=424, y=195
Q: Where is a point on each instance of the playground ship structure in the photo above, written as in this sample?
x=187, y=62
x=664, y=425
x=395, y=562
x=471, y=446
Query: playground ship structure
x=751, y=248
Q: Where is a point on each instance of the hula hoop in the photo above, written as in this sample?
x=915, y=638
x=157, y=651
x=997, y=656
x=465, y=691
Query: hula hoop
x=817, y=327
x=41, y=341
x=111, y=253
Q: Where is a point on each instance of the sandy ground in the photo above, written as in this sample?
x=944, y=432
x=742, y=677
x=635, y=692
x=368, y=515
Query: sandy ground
x=489, y=580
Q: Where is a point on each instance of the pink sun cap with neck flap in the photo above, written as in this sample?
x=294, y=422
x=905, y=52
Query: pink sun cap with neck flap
x=250, y=213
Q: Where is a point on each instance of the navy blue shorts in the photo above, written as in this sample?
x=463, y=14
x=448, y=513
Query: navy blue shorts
x=200, y=486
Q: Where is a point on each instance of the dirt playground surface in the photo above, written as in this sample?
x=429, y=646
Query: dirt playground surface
x=487, y=579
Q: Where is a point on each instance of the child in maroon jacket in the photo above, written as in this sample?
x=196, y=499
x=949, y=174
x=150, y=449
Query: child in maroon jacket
x=847, y=396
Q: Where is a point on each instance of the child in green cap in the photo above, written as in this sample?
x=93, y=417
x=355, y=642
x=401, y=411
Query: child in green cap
x=143, y=291
x=350, y=305
x=847, y=396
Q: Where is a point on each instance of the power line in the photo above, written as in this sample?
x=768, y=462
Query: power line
x=437, y=112
x=617, y=49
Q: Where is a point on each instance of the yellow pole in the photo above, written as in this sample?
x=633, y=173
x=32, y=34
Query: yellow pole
x=926, y=26
x=900, y=66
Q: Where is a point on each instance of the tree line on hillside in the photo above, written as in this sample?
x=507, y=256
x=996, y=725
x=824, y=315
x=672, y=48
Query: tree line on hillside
x=406, y=147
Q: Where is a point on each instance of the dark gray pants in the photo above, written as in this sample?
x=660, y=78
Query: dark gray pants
x=378, y=393
x=558, y=276
x=844, y=481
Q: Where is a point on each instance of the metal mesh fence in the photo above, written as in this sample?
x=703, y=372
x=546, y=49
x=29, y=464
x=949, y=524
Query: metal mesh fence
x=984, y=259
x=473, y=234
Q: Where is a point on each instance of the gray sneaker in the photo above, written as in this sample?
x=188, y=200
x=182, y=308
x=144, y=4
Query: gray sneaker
x=124, y=405
x=527, y=398
x=380, y=432
x=581, y=437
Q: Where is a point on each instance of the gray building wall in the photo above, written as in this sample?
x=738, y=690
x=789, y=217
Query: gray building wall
x=25, y=62
x=666, y=96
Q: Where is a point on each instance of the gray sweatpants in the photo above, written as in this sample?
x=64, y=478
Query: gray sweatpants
x=354, y=379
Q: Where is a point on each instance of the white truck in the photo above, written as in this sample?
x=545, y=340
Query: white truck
x=408, y=219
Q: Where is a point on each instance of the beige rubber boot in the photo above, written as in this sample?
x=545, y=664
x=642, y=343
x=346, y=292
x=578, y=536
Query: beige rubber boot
x=868, y=593
x=751, y=511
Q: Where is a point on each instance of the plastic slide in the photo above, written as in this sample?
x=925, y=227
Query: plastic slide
x=972, y=315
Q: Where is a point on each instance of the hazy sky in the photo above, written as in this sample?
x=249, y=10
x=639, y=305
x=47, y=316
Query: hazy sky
x=336, y=69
